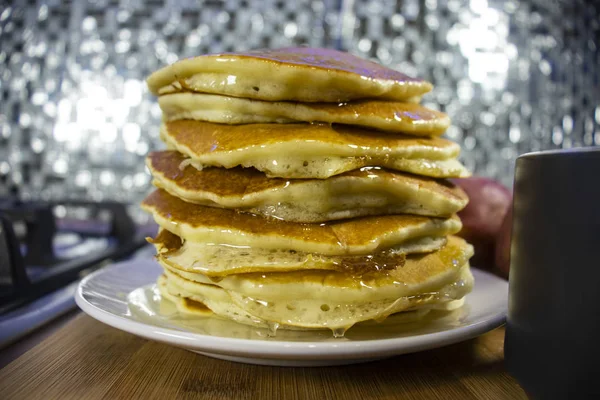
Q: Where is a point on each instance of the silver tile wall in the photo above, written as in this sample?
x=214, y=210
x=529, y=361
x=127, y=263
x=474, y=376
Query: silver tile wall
x=76, y=119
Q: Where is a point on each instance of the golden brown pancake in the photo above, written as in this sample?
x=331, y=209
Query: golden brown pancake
x=217, y=260
x=304, y=191
x=416, y=269
x=391, y=116
x=310, y=150
x=198, y=316
x=332, y=299
x=356, y=236
x=368, y=191
x=292, y=74
x=306, y=313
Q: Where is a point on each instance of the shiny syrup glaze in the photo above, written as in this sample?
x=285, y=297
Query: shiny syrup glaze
x=452, y=256
x=345, y=233
x=411, y=113
x=411, y=269
x=446, y=293
x=416, y=269
x=338, y=76
x=196, y=306
x=405, y=117
x=206, y=137
x=316, y=59
x=327, y=59
x=221, y=181
x=169, y=243
x=165, y=165
x=361, y=265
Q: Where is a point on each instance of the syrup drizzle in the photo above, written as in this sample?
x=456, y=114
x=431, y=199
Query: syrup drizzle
x=339, y=332
x=272, y=327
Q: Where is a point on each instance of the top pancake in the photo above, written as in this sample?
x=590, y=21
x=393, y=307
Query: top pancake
x=391, y=116
x=289, y=74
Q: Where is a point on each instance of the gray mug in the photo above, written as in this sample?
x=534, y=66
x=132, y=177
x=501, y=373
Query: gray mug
x=552, y=344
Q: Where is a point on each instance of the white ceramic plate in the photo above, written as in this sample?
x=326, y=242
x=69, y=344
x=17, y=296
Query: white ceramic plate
x=123, y=296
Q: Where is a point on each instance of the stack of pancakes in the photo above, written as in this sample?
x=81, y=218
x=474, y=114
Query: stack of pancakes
x=304, y=188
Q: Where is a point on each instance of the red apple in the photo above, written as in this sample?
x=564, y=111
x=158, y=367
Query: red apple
x=482, y=219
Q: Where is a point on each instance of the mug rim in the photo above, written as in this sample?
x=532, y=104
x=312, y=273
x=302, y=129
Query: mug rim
x=560, y=152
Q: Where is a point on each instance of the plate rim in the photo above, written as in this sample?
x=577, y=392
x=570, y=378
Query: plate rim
x=281, y=349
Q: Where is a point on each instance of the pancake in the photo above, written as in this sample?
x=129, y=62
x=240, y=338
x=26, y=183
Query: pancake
x=365, y=235
x=303, y=188
x=408, y=118
x=331, y=299
x=418, y=273
x=199, y=317
x=295, y=74
x=368, y=191
x=319, y=151
x=209, y=300
x=218, y=260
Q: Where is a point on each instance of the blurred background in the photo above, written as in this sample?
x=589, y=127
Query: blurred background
x=76, y=118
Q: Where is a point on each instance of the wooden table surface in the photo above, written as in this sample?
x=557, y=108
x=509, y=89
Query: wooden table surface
x=86, y=359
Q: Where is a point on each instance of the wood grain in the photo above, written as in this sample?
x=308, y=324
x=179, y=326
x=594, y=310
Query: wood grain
x=87, y=359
